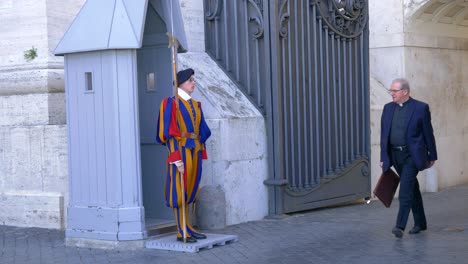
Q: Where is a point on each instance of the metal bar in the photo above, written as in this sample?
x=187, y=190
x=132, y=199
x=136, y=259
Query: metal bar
x=217, y=48
x=335, y=100
x=356, y=106
x=285, y=103
x=311, y=149
x=226, y=37
x=322, y=97
x=340, y=103
x=363, y=95
x=340, y=106
x=328, y=98
x=352, y=94
x=247, y=50
x=342, y=111
x=304, y=96
x=257, y=64
x=316, y=88
x=274, y=107
x=345, y=97
x=291, y=105
x=298, y=99
x=236, y=41
x=276, y=182
x=367, y=88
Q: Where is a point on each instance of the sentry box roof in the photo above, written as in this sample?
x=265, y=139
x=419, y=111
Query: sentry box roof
x=118, y=24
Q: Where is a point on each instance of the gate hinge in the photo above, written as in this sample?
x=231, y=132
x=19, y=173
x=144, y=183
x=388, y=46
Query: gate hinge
x=275, y=182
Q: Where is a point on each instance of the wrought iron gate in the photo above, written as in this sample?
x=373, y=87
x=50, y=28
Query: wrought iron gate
x=304, y=63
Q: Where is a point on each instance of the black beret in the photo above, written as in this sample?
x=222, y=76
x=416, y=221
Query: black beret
x=184, y=75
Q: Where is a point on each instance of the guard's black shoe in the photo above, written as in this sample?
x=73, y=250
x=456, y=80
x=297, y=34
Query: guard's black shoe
x=188, y=239
x=199, y=235
x=417, y=229
x=397, y=232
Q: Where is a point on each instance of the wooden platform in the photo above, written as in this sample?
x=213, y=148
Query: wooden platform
x=169, y=242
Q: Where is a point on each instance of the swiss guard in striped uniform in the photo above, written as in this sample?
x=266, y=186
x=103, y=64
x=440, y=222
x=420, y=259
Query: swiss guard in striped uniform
x=184, y=137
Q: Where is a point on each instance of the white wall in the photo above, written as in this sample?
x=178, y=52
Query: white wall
x=438, y=78
x=193, y=16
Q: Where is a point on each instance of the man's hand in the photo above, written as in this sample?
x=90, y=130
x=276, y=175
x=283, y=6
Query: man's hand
x=431, y=163
x=180, y=166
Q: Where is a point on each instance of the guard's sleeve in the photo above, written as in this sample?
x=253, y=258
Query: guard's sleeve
x=167, y=131
x=205, y=132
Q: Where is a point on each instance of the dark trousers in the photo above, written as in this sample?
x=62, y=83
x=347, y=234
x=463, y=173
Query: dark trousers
x=410, y=195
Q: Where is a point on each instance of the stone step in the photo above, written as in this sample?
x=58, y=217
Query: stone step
x=160, y=229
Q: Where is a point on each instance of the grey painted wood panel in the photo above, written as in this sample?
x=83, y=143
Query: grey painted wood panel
x=100, y=135
x=72, y=125
x=111, y=120
x=128, y=126
x=106, y=153
x=105, y=148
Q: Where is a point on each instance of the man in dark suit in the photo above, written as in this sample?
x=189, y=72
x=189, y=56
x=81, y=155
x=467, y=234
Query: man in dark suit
x=407, y=143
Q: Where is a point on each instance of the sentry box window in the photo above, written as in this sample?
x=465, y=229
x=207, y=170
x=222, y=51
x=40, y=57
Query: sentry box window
x=88, y=81
x=150, y=82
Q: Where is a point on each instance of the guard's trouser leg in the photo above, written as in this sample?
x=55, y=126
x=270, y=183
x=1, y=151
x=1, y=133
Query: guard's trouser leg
x=179, y=221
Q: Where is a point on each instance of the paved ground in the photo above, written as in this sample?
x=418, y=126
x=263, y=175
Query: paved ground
x=357, y=233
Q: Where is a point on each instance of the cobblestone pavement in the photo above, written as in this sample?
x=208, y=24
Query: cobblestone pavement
x=359, y=233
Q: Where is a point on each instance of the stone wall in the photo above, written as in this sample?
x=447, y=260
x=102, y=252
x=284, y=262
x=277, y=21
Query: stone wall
x=437, y=74
x=237, y=151
x=33, y=134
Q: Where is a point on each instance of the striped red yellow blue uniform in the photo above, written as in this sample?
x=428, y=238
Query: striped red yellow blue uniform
x=190, y=151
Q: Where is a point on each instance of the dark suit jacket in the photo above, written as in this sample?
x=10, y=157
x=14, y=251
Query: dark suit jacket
x=419, y=134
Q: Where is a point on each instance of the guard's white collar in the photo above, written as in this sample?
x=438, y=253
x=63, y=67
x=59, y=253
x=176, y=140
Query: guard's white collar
x=183, y=94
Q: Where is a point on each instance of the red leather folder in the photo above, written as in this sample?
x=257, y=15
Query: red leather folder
x=386, y=187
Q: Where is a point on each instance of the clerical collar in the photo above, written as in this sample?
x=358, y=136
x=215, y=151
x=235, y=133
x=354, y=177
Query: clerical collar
x=404, y=103
x=183, y=94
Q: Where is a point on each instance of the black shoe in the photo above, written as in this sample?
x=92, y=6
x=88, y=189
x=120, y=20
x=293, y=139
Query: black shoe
x=417, y=229
x=397, y=232
x=199, y=235
x=188, y=239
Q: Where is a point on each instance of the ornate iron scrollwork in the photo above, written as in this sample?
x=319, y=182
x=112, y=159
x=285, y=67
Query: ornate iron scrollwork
x=365, y=170
x=283, y=19
x=259, y=3
x=216, y=12
x=258, y=17
x=346, y=18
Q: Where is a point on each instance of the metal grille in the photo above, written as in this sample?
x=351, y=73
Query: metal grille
x=324, y=96
x=312, y=59
x=235, y=39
